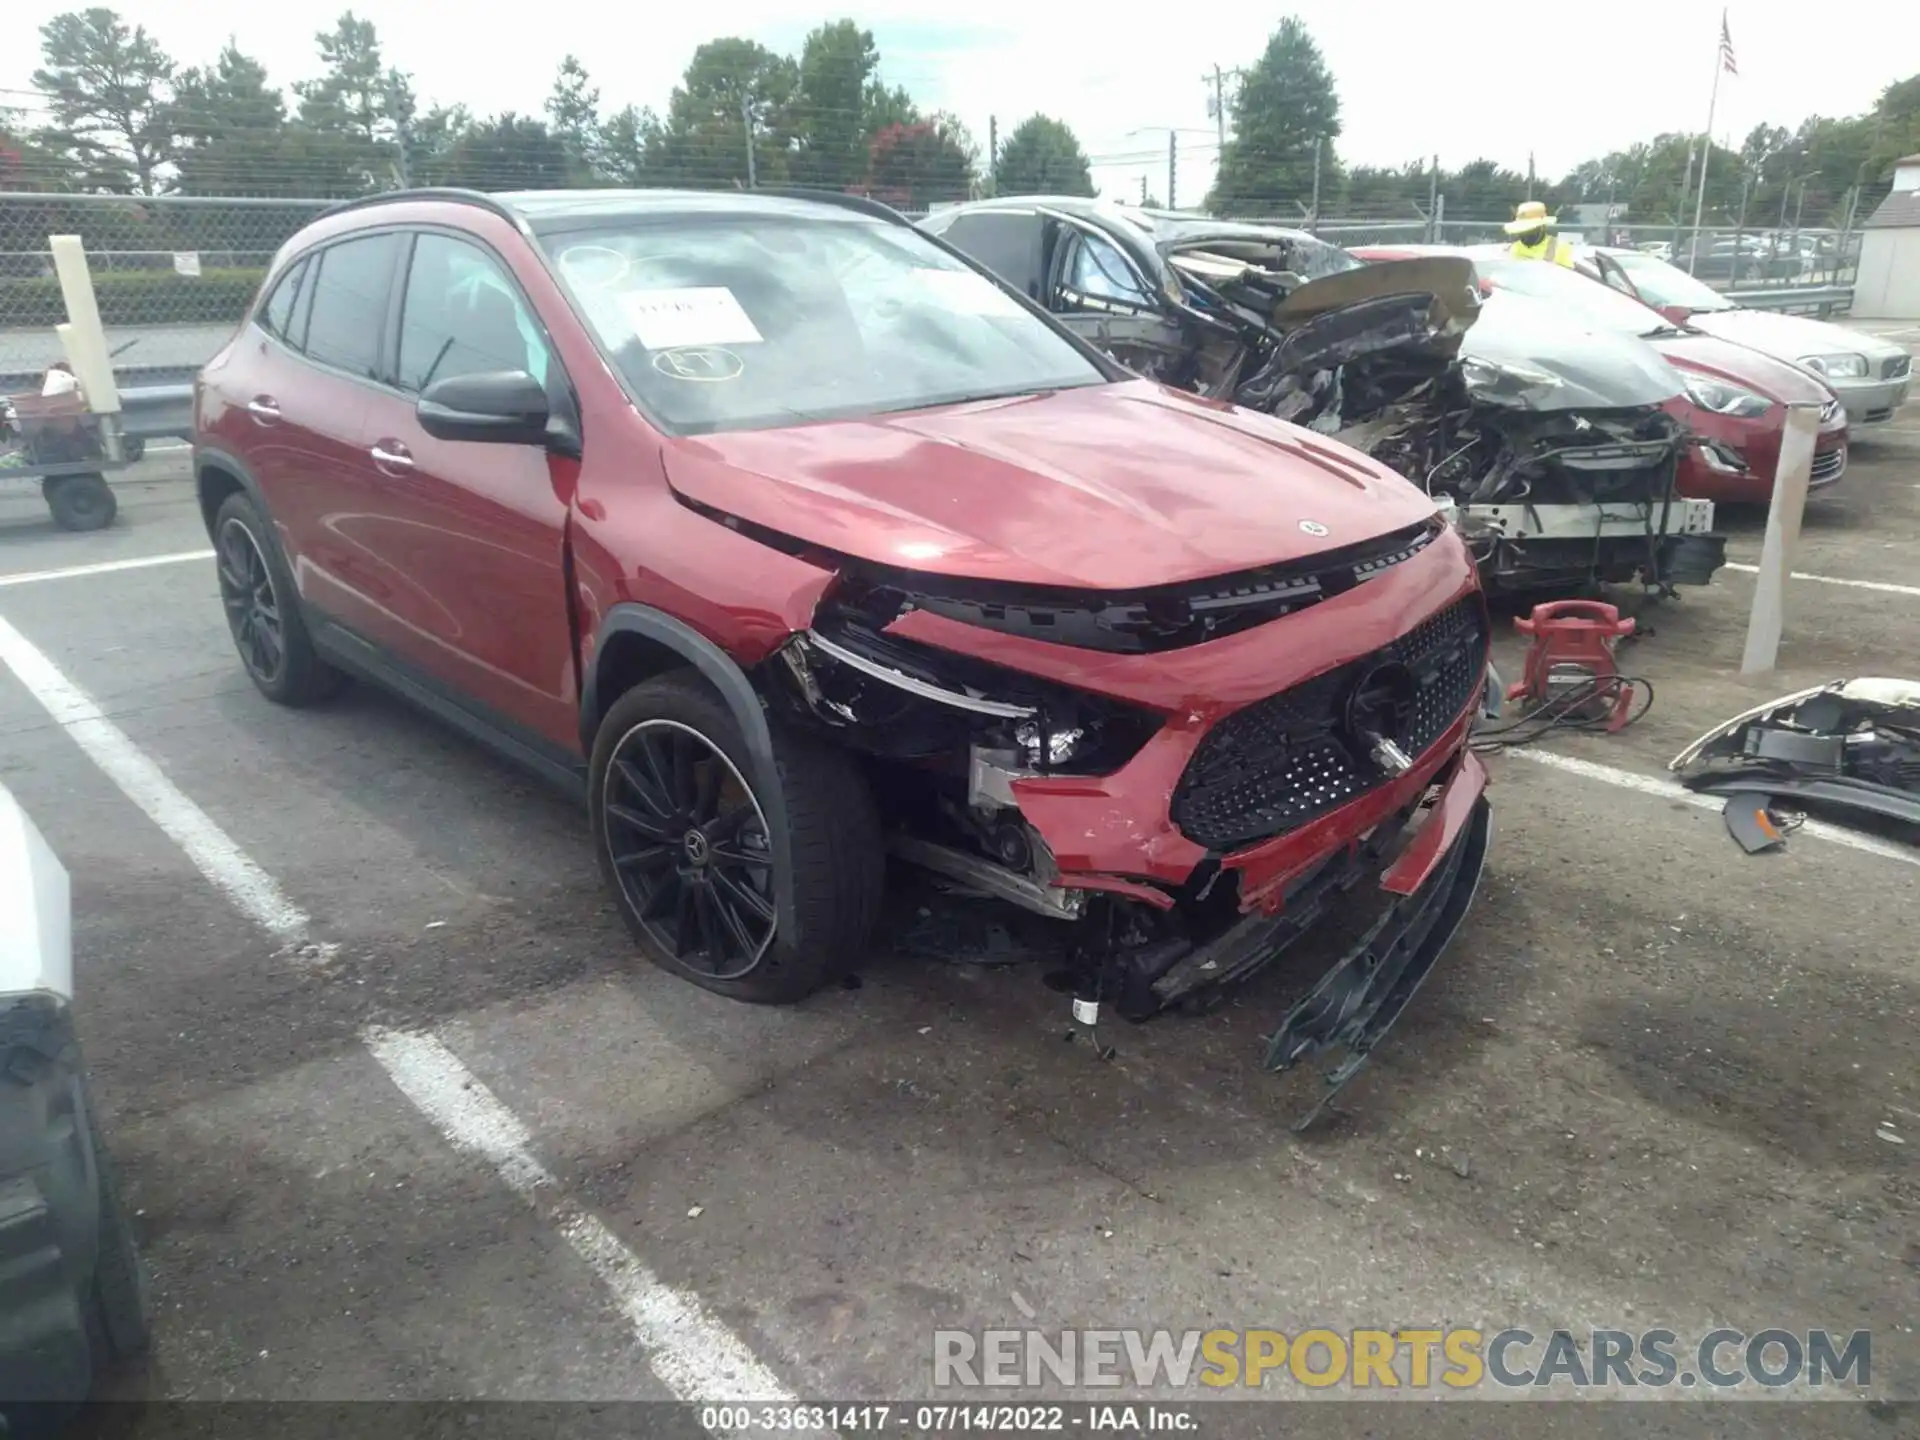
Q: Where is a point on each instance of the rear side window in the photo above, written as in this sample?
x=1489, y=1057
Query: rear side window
x=349, y=303
x=277, y=313
x=463, y=316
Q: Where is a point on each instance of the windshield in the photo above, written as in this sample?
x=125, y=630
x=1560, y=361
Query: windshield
x=1662, y=284
x=1594, y=305
x=745, y=322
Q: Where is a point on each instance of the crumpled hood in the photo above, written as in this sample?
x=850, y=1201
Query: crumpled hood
x=1778, y=380
x=1106, y=487
x=1597, y=369
x=1789, y=337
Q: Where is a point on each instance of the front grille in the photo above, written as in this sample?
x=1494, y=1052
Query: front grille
x=1282, y=761
x=1828, y=465
x=1896, y=367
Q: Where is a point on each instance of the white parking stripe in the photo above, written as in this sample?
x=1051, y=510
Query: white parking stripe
x=104, y=567
x=213, y=853
x=1668, y=790
x=695, y=1356
x=1884, y=586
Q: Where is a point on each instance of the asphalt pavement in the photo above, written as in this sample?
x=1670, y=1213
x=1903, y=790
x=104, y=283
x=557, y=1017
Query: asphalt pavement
x=402, y=1117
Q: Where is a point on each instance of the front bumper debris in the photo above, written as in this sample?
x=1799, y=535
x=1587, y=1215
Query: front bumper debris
x=1357, y=1002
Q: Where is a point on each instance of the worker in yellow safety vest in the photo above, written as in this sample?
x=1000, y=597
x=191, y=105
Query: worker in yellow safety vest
x=1532, y=229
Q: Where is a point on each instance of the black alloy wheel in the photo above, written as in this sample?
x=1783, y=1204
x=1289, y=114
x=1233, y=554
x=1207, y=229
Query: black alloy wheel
x=690, y=848
x=253, y=609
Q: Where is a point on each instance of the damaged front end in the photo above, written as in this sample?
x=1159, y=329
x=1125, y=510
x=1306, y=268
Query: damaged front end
x=1548, y=446
x=1048, y=748
x=1850, y=748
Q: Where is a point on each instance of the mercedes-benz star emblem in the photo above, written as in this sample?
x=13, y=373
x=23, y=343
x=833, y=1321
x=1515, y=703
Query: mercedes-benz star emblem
x=1314, y=527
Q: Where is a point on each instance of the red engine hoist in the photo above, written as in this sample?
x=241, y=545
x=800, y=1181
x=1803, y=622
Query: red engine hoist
x=1570, y=665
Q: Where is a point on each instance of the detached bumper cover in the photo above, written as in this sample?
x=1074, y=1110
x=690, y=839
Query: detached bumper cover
x=1357, y=1002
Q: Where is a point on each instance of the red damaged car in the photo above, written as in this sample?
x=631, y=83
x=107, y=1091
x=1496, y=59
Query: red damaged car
x=794, y=539
x=1736, y=397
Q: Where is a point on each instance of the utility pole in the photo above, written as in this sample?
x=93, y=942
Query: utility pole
x=1217, y=102
x=1529, y=175
x=1314, y=225
x=1680, y=216
x=1173, y=169
x=993, y=151
x=746, y=122
x=1143, y=189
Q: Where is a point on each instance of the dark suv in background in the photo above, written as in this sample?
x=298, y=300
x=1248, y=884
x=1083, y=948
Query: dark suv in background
x=793, y=538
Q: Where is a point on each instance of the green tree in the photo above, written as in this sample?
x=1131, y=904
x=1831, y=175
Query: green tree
x=362, y=100
x=431, y=143
x=231, y=134
x=109, y=87
x=573, y=115
x=732, y=88
x=834, y=100
x=890, y=107
x=914, y=166
x=1284, y=105
x=509, y=152
x=1042, y=156
x=632, y=147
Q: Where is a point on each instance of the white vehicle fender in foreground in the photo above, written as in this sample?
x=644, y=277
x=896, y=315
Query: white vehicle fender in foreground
x=36, y=936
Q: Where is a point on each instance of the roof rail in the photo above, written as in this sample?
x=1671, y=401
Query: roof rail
x=451, y=193
x=864, y=204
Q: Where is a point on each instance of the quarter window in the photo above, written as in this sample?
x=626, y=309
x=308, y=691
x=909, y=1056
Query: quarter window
x=277, y=313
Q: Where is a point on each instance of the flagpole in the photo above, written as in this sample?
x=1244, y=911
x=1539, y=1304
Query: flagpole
x=1706, y=151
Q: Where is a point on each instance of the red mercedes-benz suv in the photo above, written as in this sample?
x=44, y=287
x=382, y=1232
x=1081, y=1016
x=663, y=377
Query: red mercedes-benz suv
x=794, y=539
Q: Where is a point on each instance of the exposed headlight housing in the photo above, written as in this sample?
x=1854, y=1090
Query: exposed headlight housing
x=1724, y=399
x=1838, y=367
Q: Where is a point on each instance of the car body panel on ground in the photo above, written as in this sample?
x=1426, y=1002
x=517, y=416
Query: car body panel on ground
x=800, y=539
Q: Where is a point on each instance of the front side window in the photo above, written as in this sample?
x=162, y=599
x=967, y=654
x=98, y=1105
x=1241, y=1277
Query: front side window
x=734, y=322
x=348, y=302
x=462, y=315
x=1096, y=270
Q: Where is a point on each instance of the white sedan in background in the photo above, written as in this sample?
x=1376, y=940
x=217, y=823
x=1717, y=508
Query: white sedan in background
x=1871, y=376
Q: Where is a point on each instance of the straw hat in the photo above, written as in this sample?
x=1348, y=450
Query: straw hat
x=1530, y=215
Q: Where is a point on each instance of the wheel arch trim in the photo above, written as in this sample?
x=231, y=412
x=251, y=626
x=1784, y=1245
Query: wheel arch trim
x=726, y=677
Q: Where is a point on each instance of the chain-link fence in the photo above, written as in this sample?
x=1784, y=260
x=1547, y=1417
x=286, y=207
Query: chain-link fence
x=174, y=274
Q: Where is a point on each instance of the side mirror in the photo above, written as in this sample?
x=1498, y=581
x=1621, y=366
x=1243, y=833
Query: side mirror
x=503, y=407
x=1676, y=314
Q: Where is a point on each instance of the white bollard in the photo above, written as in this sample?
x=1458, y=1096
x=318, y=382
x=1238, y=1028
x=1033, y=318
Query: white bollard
x=1790, y=480
x=83, y=336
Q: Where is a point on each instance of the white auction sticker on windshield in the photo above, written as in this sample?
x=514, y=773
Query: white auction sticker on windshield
x=966, y=292
x=692, y=315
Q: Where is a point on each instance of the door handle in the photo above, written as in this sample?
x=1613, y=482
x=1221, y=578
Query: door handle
x=264, y=407
x=390, y=455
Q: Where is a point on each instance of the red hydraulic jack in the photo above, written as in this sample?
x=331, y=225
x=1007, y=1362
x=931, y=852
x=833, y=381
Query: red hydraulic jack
x=1572, y=651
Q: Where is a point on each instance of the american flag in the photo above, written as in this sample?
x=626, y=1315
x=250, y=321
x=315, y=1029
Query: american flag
x=1726, y=48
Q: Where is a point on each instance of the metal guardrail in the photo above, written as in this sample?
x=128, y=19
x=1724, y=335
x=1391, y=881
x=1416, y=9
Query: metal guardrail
x=1818, y=300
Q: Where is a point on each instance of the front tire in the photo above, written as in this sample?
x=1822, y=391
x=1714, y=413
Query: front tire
x=686, y=846
x=263, y=608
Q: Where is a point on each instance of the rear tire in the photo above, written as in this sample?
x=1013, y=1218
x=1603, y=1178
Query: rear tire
x=263, y=608
x=642, y=816
x=80, y=502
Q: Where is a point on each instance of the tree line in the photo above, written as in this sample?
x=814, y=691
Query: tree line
x=117, y=115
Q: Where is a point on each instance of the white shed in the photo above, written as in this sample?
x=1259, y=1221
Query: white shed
x=1887, y=284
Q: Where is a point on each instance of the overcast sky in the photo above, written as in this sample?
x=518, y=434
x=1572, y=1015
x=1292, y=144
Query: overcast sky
x=1567, y=83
